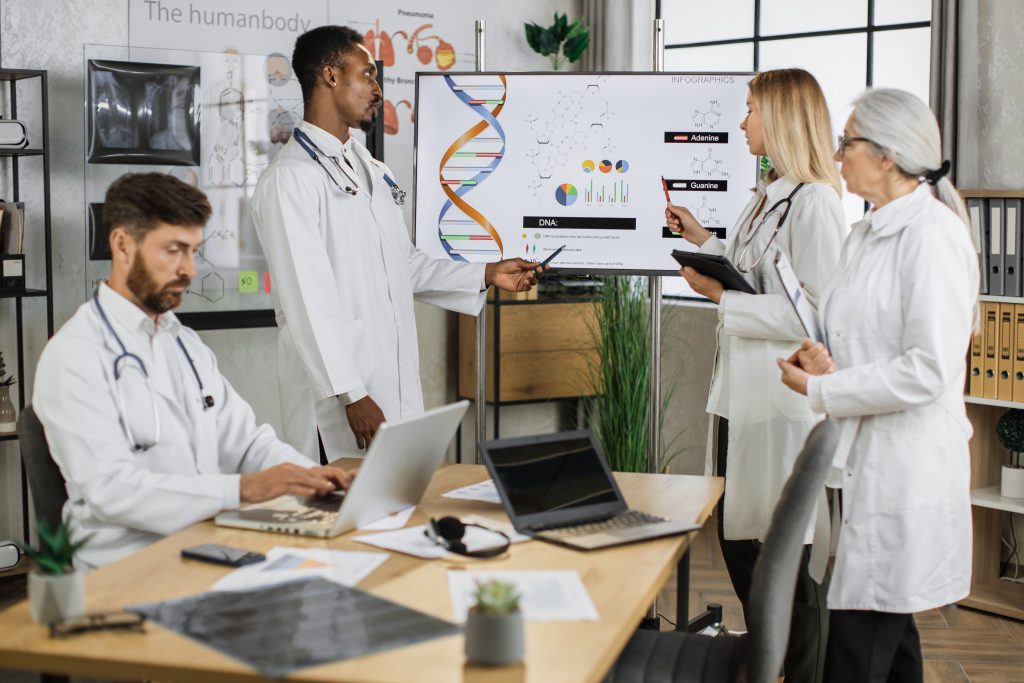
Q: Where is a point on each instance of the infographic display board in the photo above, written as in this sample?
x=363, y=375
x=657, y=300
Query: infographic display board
x=520, y=164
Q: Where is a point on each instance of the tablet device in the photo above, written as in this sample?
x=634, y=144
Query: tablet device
x=714, y=266
x=797, y=297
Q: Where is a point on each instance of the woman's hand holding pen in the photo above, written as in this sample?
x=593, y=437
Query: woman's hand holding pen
x=812, y=358
x=681, y=221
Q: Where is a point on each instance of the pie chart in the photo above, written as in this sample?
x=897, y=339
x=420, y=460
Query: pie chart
x=606, y=166
x=622, y=166
x=588, y=166
x=565, y=194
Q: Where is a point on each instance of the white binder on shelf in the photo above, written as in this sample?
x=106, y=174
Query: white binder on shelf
x=997, y=237
x=976, y=212
x=1012, y=258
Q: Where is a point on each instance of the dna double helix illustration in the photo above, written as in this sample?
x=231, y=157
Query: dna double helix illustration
x=465, y=233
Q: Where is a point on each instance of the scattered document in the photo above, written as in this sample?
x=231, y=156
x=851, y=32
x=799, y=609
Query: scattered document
x=289, y=564
x=483, y=491
x=396, y=520
x=412, y=540
x=546, y=595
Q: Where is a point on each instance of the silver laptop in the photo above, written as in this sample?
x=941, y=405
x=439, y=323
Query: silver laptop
x=558, y=488
x=394, y=474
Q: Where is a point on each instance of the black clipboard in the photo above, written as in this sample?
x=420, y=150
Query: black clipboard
x=714, y=266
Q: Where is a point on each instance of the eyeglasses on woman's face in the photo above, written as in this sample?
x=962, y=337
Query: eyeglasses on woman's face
x=847, y=140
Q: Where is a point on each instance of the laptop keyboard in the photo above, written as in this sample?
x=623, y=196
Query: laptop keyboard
x=623, y=520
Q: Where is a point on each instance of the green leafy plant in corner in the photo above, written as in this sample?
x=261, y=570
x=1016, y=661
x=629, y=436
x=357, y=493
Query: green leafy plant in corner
x=619, y=377
x=561, y=42
x=5, y=381
x=496, y=597
x=56, y=551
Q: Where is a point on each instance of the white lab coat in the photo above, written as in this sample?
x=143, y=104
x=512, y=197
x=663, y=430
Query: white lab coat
x=128, y=499
x=768, y=423
x=343, y=277
x=898, y=316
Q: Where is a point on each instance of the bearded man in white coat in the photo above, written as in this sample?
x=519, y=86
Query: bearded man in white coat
x=148, y=435
x=344, y=272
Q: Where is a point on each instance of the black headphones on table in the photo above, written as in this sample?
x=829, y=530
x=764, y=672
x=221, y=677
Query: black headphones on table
x=447, y=532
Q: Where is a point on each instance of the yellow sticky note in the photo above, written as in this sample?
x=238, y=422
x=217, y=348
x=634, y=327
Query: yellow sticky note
x=248, y=282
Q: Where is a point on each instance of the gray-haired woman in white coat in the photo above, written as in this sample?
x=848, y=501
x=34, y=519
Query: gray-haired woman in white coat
x=898, y=316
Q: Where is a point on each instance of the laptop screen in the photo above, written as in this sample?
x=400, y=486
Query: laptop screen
x=551, y=475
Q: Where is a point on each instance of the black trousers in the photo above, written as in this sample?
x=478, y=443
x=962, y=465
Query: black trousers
x=809, y=630
x=873, y=647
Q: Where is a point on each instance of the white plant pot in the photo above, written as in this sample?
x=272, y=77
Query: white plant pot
x=494, y=640
x=1012, y=482
x=53, y=597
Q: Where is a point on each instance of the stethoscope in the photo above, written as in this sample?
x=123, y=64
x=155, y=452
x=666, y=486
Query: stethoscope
x=314, y=152
x=129, y=359
x=774, y=210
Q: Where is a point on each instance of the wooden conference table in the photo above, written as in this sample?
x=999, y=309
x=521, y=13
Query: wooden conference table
x=622, y=583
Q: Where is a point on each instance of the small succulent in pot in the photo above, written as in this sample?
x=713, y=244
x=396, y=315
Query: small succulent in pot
x=494, y=625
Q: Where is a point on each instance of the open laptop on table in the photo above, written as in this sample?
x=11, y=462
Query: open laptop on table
x=394, y=474
x=558, y=488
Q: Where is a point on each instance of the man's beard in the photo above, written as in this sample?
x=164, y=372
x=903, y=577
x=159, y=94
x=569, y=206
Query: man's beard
x=366, y=125
x=153, y=298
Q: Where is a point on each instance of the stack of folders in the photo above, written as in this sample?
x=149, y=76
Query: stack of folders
x=996, y=233
x=997, y=353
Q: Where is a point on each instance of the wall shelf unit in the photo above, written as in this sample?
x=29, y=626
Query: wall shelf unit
x=990, y=592
x=33, y=158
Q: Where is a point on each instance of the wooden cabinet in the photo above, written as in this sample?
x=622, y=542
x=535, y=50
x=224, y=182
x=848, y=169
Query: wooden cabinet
x=545, y=350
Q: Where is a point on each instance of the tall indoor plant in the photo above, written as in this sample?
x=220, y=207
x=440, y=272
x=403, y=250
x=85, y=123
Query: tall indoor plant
x=619, y=379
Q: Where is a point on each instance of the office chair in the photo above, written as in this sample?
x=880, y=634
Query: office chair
x=44, y=478
x=654, y=657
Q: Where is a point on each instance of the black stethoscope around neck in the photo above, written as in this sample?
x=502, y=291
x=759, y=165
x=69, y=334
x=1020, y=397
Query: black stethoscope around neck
x=315, y=153
x=775, y=210
x=125, y=360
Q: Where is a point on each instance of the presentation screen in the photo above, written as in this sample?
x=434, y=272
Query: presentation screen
x=520, y=164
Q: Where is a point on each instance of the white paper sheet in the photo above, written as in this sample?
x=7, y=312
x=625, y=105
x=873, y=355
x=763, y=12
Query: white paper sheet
x=546, y=595
x=288, y=564
x=412, y=540
x=396, y=520
x=483, y=491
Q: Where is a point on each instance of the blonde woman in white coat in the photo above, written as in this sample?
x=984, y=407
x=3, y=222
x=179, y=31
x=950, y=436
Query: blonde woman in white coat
x=796, y=210
x=898, y=316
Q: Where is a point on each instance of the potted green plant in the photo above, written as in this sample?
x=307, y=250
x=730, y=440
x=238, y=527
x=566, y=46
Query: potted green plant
x=618, y=409
x=494, y=625
x=56, y=590
x=561, y=42
x=1010, y=431
x=8, y=416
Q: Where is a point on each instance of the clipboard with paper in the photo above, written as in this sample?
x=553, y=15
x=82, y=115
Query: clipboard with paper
x=798, y=298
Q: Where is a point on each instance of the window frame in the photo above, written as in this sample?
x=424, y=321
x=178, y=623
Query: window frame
x=756, y=38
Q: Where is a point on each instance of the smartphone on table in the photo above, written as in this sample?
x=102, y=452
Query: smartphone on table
x=222, y=554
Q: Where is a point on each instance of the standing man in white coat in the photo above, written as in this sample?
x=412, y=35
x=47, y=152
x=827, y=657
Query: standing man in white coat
x=149, y=437
x=898, y=317
x=344, y=271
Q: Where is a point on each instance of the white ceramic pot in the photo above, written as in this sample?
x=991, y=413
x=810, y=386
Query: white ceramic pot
x=8, y=416
x=1012, y=482
x=494, y=640
x=53, y=597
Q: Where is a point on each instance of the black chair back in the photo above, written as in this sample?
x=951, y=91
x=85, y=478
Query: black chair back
x=773, y=584
x=44, y=478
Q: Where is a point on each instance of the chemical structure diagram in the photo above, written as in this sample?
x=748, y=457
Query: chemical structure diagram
x=706, y=215
x=709, y=118
x=576, y=120
x=709, y=166
x=225, y=166
x=211, y=284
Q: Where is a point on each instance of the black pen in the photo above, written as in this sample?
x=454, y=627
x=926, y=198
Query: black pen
x=550, y=258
